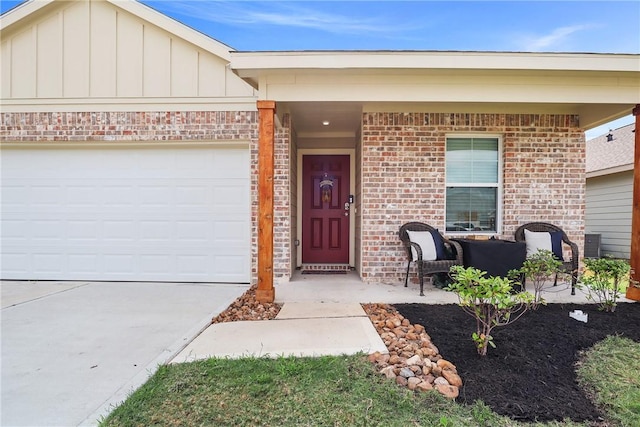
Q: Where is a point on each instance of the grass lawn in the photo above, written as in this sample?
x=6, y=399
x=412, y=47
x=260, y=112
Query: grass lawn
x=338, y=391
x=618, y=392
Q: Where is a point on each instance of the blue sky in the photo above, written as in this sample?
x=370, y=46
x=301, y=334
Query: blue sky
x=530, y=26
x=586, y=26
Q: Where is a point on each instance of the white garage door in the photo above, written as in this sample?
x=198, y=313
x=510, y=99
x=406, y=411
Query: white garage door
x=121, y=213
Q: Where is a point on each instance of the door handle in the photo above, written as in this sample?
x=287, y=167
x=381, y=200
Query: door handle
x=346, y=206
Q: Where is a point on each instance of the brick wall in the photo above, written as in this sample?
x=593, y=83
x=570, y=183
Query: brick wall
x=293, y=195
x=284, y=210
x=130, y=126
x=402, y=173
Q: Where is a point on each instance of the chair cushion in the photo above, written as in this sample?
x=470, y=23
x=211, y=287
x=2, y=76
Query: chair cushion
x=543, y=240
x=556, y=244
x=438, y=241
x=427, y=245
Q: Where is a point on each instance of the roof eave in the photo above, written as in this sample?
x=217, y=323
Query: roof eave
x=252, y=62
x=21, y=11
x=173, y=26
x=610, y=171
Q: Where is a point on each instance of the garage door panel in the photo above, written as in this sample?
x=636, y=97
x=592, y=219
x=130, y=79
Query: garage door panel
x=82, y=196
x=130, y=214
x=153, y=196
x=48, y=262
x=192, y=265
x=193, y=231
x=230, y=196
x=230, y=232
x=80, y=264
x=15, y=264
x=191, y=196
x=229, y=264
x=13, y=230
x=157, y=264
x=118, y=196
x=119, y=231
x=11, y=195
x=117, y=264
x=44, y=196
x=44, y=231
x=156, y=231
x=82, y=230
x=225, y=166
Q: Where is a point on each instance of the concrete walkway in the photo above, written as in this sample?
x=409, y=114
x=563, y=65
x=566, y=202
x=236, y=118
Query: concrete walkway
x=300, y=329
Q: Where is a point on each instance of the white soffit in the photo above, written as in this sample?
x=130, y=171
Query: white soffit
x=247, y=63
x=554, y=79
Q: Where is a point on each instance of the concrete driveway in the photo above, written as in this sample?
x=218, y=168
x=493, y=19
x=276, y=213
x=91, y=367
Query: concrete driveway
x=71, y=351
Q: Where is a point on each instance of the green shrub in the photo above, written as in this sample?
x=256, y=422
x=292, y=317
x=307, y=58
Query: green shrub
x=538, y=269
x=605, y=280
x=490, y=300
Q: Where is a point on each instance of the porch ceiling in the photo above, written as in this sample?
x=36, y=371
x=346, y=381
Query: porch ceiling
x=345, y=117
x=308, y=117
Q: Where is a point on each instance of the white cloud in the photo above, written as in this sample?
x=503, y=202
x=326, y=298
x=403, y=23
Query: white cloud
x=553, y=40
x=287, y=14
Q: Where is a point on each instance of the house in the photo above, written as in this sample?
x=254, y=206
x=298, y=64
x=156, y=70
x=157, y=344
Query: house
x=609, y=191
x=135, y=148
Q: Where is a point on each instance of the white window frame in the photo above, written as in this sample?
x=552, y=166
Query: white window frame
x=499, y=185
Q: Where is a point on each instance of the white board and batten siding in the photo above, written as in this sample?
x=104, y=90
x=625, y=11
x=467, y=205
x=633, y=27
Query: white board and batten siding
x=126, y=213
x=95, y=49
x=608, y=212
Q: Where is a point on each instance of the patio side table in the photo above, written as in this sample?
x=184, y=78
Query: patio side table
x=494, y=256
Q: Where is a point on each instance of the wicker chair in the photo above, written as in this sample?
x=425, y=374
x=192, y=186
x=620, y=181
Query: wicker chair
x=570, y=266
x=427, y=267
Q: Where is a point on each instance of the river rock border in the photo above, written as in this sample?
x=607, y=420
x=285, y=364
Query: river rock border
x=247, y=307
x=413, y=360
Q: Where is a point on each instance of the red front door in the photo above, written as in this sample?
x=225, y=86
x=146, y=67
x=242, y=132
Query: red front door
x=325, y=209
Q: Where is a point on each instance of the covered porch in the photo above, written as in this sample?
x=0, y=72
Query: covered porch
x=392, y=113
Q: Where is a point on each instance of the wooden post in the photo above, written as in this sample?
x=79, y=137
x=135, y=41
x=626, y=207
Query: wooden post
x=265, y=291
x=635, y=212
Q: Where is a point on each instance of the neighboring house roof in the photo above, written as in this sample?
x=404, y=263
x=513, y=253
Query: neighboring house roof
x=612, y=152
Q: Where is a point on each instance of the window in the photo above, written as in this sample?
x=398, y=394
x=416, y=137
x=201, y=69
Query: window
x=473, y=184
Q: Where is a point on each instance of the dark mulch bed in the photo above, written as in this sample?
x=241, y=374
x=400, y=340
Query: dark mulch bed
x=531, y=375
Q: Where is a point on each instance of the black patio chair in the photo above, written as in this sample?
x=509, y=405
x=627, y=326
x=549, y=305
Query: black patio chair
x=428, y=267
x=568, y=266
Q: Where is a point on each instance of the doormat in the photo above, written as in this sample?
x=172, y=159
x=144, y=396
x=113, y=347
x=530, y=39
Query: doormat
x=324, y=272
